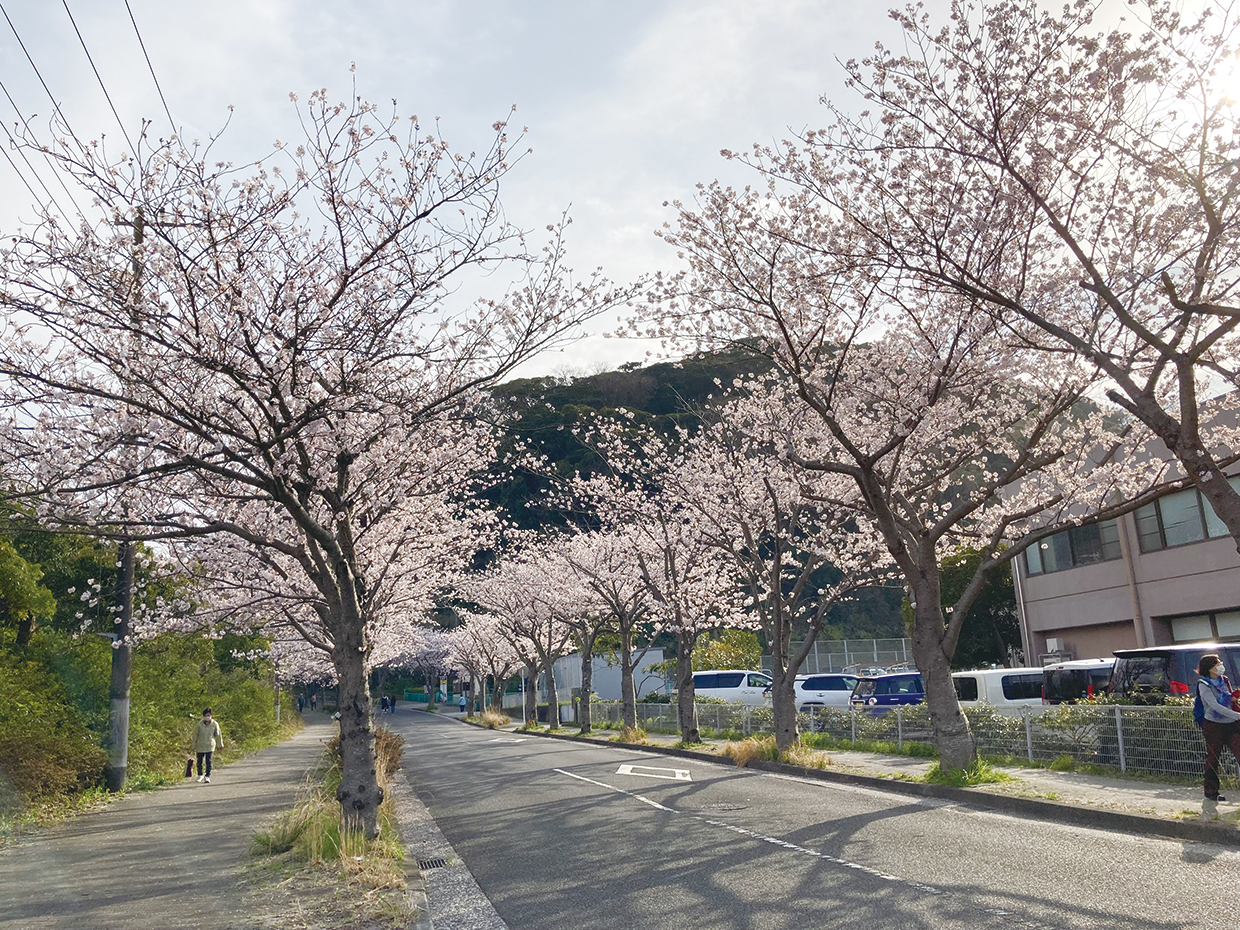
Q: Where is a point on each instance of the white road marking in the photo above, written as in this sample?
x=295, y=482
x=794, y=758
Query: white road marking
x=774, y=841
x=505, y=739
x=651, y=771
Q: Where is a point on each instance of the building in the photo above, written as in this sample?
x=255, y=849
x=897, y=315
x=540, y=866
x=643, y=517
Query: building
x=1166, y=573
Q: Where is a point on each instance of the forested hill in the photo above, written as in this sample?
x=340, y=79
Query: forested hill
x=542, y=413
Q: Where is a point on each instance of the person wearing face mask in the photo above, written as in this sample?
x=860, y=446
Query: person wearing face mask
x=1221, y=726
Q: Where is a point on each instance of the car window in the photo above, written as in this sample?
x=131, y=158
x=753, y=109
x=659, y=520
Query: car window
x=730, y=679
x=865, y=687
x=759, y=681
x=909, y=685
x=966, y=688
x=1142, y=673
x=705, y=681
x=1065, y=684
x=1022, y=687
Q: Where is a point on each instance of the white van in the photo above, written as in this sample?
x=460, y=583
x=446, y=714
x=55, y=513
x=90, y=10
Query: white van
x=1079, y=680
x=1007, y=690
x=734, y=685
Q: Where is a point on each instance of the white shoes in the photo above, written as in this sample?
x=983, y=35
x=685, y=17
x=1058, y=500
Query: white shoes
x=207, y=779
x=200, y=778
x=1209, y=809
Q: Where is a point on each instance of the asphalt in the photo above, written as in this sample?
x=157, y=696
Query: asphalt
x=567, y=834
x=156, y=860
x=1077, y=798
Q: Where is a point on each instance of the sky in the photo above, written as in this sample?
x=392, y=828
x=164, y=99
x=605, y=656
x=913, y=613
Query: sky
x=628, y=103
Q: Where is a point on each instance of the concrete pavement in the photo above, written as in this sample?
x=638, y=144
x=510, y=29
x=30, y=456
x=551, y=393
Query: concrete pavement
x=157, y=860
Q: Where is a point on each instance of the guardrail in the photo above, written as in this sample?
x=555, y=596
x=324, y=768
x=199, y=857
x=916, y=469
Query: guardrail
x=1153, y=741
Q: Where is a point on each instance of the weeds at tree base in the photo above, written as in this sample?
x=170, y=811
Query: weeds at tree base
x=493, y=720
x=744, y=751
x=634, y=735
x=980, y=772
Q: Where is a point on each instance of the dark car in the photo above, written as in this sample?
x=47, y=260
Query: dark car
x=889, y=690
x=1072, y=682
x=1149, y=676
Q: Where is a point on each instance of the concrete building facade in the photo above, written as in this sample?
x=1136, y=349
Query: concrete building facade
x=1166, y=573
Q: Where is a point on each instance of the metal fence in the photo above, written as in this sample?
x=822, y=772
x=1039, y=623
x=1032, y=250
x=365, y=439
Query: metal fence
x=840, y=655
x=1153, y=741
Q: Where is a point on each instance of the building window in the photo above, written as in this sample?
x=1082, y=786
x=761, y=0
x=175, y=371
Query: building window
x=1179, y=519
x=1081, y=545
x=1221, y=625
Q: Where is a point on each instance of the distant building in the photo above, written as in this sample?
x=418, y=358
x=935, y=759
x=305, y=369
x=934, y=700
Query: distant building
x=1166, y=573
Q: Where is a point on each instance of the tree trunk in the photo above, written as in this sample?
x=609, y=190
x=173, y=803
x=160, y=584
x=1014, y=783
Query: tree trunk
x=122, y=664
x=497, y=696
x=553, y=699
x=25, y=629
x=784, y=705
x=531, y=693
x=686, y=710
x=951, y=729
x=628, y=690
x=587, y=683
x=359, y=793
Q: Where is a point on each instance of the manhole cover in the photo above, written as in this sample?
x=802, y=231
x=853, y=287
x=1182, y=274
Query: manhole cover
x=722, y=806
x=425, y=864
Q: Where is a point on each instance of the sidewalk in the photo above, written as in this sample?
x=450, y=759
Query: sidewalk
x=1078, y=797
x=157, y=859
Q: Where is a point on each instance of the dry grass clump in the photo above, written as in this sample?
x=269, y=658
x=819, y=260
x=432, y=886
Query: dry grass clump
x=800, y=754
x=742, y=752
x=493, y=719
x=628, y=734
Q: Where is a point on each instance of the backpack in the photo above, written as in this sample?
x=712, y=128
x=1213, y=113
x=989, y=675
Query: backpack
x=1199, y=709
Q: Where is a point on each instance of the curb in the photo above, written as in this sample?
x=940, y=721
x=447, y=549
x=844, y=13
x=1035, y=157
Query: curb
x=1197, y=831
x=415, y=881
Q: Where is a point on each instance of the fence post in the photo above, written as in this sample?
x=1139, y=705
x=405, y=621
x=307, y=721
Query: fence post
x=853, y=713
x=718, y=723
x=747, y=721
x=1029, y=734
x=813, y=726
x=1119, y=735
x=900, y=728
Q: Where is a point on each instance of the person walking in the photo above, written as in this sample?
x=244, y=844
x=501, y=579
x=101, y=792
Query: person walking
x=1220, y=726
x=207, y=739
x=462, y=703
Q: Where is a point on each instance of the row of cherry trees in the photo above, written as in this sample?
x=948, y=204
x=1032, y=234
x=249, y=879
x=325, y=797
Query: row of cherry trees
x=983, y=311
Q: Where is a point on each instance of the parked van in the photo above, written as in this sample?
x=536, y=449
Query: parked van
x=880, y=691
x=1005, y=689
x=1148, y=676
x=829, y=689
x=1070, y=682
x=734, y=685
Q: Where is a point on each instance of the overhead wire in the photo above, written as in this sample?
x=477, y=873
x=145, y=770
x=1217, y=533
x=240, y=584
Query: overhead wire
x=99, y=78
x=150, y=67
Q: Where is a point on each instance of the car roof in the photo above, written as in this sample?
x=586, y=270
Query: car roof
x=1178, y=647
x=889, y=675
x=1082, y=663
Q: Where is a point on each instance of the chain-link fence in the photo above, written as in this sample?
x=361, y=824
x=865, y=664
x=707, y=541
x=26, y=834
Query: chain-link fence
x=1153, y=741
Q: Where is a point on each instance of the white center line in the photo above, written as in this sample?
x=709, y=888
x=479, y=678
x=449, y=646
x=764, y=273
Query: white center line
x=774, y=841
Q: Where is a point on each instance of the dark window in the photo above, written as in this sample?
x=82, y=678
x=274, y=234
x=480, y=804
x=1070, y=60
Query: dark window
x=1080, y=545
x=966, y=689
x=705, y=681
x=865, y=687
x=730, y=679
x=759, y=681
x=1022, y=687
x=1179, y=519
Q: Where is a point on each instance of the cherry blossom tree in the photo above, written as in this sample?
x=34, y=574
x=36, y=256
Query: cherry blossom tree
x=1076, y=181
x=479, y=647
x=798, y=538
x=280, y=357
x=951, y=430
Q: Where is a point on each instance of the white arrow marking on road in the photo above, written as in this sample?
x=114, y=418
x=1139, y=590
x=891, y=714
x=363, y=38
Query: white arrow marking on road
x=650, y=771
x=507, y=740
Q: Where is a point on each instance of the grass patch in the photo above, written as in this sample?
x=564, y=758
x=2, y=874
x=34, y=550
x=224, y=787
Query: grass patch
x=886, y=747
x=309, y=845
x=493, y=720
x=744, y=751
x=634, y=735
x=980, y=772
x=806, y=756
x=1062, y=763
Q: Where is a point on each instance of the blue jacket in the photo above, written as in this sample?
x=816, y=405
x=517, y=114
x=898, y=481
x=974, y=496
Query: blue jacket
x=1216, y=698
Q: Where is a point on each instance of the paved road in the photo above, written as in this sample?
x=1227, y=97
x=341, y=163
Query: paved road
x=558, y=836
x=156, y=860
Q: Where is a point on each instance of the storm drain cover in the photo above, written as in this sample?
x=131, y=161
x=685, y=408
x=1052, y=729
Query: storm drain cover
x=425, y=864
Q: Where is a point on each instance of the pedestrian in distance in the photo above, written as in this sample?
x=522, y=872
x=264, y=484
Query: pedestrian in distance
x=301, y=703
x=207, y=739
x=383, y=704
x=314, y=702
x=1220, y=725
x=462, y=703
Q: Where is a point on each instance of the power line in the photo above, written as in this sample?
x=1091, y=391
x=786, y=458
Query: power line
x=99, y=78
x=150, y=67
x=37, y=73
x=20, y=148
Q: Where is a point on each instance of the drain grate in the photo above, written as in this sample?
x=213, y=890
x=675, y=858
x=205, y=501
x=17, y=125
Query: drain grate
x=425, y=864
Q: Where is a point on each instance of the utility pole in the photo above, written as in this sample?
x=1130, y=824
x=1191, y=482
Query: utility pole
x=122, y=650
